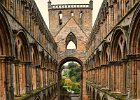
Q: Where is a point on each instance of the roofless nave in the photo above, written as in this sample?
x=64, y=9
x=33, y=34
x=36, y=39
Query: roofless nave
x=31, y=55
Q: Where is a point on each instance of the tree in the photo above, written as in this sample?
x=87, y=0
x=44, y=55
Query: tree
x=68, y=81
x=72, y=77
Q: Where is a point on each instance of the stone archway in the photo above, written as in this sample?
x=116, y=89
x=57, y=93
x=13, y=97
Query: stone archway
x=6, y=40
x=118, y=60
x=105, y=63
x=60, y=69
x=35, y=59
x=22, y=63
x=6, y=56
x=134, y=54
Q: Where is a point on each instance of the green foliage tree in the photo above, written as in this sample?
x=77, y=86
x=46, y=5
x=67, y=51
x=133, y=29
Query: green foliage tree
x=72, y=77
x=75, y=72
x=76, y=87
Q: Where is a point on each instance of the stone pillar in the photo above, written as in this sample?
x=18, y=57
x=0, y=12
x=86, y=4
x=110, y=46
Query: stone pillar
x=84, y=95
x=7, y=64
x=110, y=76
x=46, y=70
x=17, y=85
x=133, y=72
x=28, y=82
x=38, y=76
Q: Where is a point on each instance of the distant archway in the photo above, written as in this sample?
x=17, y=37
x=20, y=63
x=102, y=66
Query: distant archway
x=60, y=69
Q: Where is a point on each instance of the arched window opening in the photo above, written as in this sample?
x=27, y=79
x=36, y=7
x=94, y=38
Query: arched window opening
x=71, y=45
x=71, y=41
x=60, y=18
x=81, y=14
x=97, y=60
x=81, y=17
x=72, y=14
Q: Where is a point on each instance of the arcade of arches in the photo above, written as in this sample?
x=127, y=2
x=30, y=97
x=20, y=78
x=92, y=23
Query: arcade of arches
x=31, y=55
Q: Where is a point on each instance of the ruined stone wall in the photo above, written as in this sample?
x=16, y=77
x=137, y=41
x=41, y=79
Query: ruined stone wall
x=112, y=52
x=28, y=53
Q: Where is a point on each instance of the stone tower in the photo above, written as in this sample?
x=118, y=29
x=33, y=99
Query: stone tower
x=71, y=23
x=70, y=18
x=60, y=14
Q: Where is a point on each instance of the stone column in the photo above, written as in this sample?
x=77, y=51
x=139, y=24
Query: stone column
x=7, y=63
x=133, y=72
x=38, y=76
x=17, y=85
x=84, y=94
x=28, y=83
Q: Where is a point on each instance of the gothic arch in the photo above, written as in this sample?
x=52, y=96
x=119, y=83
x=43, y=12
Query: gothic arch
x=71, y=37
x=35, y=60
x=23, y=58
x=118, y=44
x=134, y=51
x=134, y=32
x=105, y=56
x=118, y=67
x=60, y=69
x=22, y=43
x=6, y=51
x=70, y=59
x=6, y=39
x=105, y=53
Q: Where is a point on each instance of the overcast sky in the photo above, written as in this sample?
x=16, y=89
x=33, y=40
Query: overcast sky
x=43, y=6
